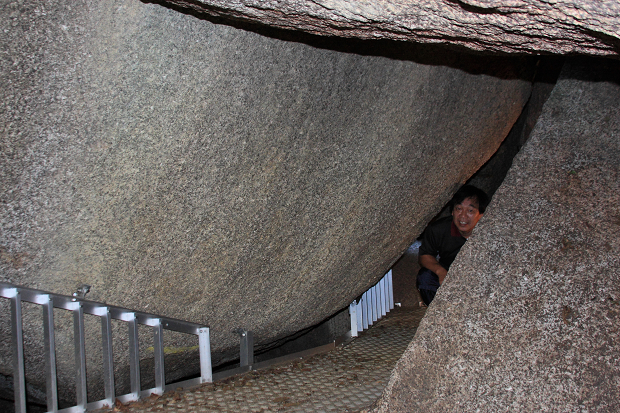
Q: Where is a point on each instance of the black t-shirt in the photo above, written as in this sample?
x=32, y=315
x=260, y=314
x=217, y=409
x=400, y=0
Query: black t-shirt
x=442, y=239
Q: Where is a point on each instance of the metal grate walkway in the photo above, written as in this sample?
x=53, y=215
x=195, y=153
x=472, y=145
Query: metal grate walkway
x=347, y=379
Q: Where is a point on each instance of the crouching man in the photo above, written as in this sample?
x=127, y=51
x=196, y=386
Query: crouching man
x=443, y=239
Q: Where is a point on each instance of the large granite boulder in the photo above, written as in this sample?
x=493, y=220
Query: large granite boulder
x=537, y=329
x=526, y=26
x=215, y=175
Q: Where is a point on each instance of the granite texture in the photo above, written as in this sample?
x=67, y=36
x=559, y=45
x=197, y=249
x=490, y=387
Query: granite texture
x=211, y=174
x=537, y=329
x=526, y=26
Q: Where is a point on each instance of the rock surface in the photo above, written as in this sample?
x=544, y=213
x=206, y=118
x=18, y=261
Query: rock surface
x=538, y=329
x=529, y=26
x=211, y=174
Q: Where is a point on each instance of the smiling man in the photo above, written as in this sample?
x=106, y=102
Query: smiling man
x=443, y=239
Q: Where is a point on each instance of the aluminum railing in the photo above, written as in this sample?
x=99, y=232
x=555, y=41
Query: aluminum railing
x=79, y=307
x=374, y=304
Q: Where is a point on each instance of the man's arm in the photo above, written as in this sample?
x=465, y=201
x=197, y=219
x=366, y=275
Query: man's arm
x=430, y=262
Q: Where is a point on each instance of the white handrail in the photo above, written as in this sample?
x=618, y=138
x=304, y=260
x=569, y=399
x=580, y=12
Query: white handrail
x=374, y=304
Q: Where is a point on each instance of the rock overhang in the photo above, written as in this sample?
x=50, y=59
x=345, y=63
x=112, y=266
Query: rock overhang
x=530, y=27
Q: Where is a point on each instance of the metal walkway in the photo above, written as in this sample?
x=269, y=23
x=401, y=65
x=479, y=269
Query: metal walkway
x=347, y=379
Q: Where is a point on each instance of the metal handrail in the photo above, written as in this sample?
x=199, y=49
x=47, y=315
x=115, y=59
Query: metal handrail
x=79, y=307
x=374, y=304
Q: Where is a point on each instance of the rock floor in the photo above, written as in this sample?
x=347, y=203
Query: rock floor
x=347, y=379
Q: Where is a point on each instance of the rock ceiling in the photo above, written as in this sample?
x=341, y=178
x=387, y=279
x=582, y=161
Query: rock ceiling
x=511, y=26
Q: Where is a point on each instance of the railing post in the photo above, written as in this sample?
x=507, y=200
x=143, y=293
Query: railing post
x=158, y=346
x=353, y=314
x=378, y=301
x=386, y=299
x=204, y=345
x=390, y=291
x=50, y=353
x=360, y=323
x=246, y=348
x=382, y=291
x=365, y=300
x=108, y=357
x=373, y=305
x=134, y=355
x=80, y=356
x=17, y=342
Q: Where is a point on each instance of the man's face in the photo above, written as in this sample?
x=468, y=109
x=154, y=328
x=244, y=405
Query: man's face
x=465, y=216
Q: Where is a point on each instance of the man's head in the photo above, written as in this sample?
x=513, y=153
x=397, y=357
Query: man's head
x=468, y=205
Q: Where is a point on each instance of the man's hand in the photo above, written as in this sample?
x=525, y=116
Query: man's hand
x=430, y=262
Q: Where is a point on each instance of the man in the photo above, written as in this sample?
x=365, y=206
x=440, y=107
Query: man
x=443, y=239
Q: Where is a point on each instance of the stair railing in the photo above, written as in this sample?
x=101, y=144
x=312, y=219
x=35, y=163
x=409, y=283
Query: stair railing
x=79, y=307
x=374, y=304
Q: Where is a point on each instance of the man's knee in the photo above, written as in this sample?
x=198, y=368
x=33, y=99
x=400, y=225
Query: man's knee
x=427, y=295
